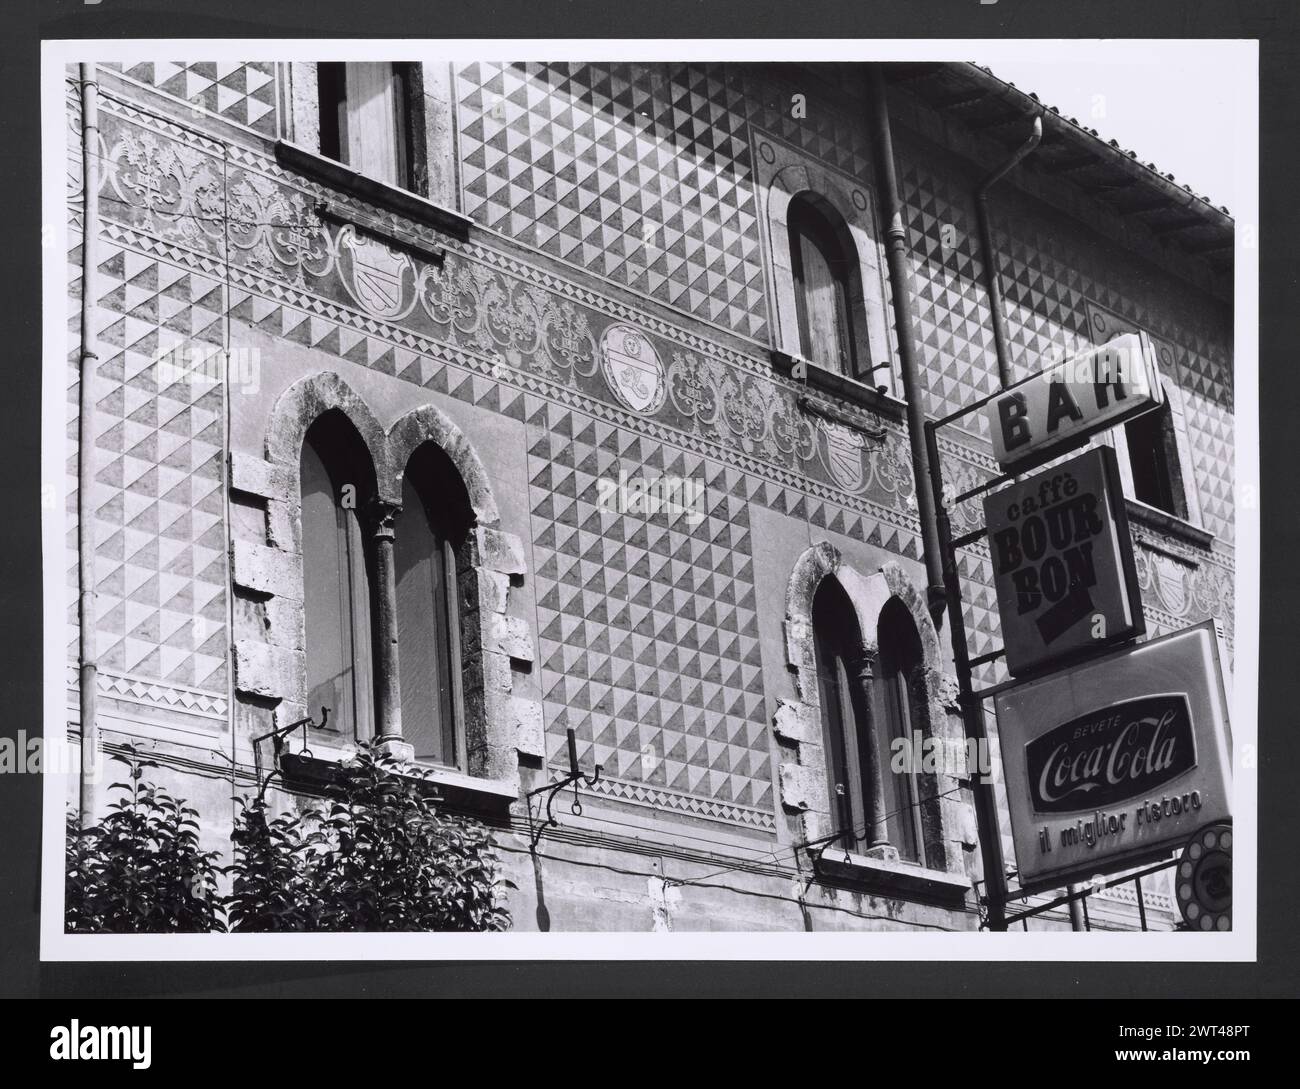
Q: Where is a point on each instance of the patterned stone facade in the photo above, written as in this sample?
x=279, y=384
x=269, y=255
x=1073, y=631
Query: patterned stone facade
x=610, y=316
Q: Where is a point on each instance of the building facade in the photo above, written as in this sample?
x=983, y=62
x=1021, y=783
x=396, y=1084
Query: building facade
x=480, y=403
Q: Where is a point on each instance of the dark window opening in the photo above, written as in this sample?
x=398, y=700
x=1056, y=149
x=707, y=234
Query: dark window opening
x=430, y=532
x=372, y=119
x=1153, y=459
x=331, y=84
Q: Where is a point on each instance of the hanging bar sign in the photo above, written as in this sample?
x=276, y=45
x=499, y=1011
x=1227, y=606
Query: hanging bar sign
x=1063, y=563
x=1059, y=408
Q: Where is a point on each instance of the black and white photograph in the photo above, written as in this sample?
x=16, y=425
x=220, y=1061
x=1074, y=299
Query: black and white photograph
x=656, y=500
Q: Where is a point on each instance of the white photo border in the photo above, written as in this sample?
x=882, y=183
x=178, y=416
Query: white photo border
x=1233, y=61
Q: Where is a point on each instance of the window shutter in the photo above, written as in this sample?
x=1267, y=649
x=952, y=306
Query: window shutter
x=425, y=614
x=373, y=121
x=336, y=602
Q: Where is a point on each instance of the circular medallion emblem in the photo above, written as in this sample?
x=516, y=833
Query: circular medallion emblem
x=632, y=368
x=1204, y=880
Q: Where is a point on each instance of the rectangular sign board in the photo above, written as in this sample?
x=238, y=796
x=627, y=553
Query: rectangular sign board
x=1117, y=760
x=1059, y=408
x=1063, y=563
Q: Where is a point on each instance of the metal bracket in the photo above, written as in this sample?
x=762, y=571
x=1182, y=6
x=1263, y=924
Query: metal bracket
x=277, y=737
x=576, y=777
x=832, y=414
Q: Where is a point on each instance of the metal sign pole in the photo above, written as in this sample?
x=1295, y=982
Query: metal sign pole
x=972, y=707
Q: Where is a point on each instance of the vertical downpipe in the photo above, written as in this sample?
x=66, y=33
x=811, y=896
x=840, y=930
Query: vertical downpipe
x=87, y=612
x=992, y=282
x=901, y=287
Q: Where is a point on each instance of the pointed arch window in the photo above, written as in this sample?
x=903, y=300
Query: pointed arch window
x=430, y=534
x=337, y=482
x=824, y=265
x=839, y=653
x=868, y=702
x=901, y=700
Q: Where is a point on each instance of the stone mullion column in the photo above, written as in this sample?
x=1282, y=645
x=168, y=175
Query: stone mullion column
x=388, y=694
x=862, y=674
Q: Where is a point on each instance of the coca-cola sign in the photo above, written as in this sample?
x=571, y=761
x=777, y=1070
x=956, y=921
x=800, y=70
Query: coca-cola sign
x=1111, y=755
x=1117, y=760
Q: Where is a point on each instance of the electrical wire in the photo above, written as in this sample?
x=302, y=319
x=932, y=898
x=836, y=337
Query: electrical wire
x=796, y=848
x=828, y=906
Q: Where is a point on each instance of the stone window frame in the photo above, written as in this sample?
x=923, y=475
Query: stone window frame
x=782, y=173
x=798, y=722
x=433, y=141
x=1185, y=495
x=1105, y=325
x=498, y=726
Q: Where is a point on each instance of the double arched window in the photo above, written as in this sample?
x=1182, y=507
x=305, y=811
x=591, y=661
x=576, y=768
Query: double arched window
x=344, y=529
x=868, y=702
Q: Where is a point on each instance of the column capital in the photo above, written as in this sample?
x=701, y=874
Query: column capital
x=383, y=518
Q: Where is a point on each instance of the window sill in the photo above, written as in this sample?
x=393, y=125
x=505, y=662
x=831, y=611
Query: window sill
x=894, y=879
x=1150, y=517
x=343, y=178
x=460, y=793
x=845, y=389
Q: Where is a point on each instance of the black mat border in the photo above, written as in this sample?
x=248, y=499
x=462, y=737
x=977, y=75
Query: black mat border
x=1274, y=23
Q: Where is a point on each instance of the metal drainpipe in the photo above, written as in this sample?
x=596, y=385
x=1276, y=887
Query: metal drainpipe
x=87, y=610
x=991, y=280
x=896, y=235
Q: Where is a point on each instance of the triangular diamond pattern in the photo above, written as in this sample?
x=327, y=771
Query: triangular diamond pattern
x=647, y=182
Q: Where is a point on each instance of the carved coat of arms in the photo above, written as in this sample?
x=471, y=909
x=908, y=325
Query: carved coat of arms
x=375, y=275
x=843, y=455
x=633, y=368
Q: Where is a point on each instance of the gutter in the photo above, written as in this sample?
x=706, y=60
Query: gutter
x=1061, y=129
x=87, y=613
x=901, y=289
x=990, y=258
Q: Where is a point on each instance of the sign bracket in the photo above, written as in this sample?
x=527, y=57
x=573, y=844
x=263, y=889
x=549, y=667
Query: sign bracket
x=1009, y=469
x=1084, y=893
x=972, y=707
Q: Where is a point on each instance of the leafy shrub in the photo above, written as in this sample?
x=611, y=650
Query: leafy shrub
x=381, y=856
x=274, y=887
x=139, y=870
